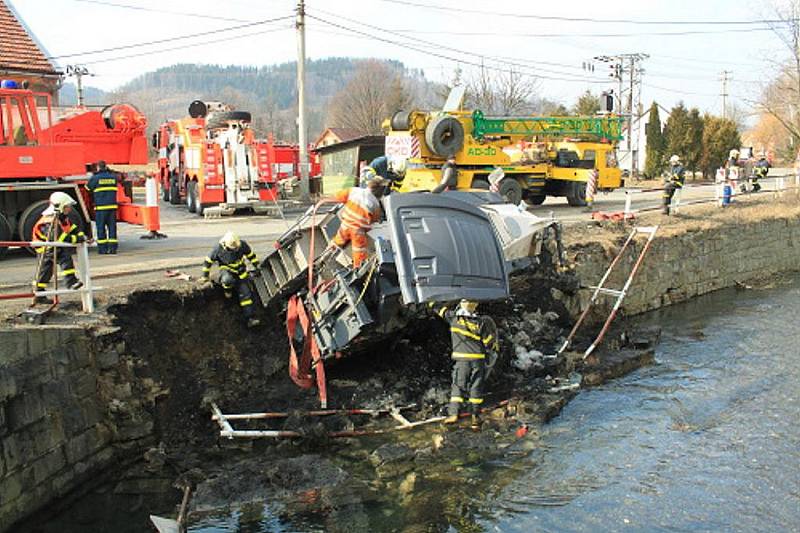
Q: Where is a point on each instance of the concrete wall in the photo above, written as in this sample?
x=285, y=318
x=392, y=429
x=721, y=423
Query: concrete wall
x=687, y=264
x=59, y=427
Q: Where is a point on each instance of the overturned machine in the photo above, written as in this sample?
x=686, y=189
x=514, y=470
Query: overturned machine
x=431, y=247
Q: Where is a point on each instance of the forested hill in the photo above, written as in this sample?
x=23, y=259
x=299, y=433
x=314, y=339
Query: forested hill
x=268, y=92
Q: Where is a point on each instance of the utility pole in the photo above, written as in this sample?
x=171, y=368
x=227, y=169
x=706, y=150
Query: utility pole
x=724, y=79
x=301, y=99
x=626, y=65
x=79, y=72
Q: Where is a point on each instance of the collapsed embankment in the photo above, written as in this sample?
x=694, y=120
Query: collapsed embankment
x=75, y=402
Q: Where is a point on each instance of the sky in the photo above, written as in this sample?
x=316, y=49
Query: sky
x=685, y=59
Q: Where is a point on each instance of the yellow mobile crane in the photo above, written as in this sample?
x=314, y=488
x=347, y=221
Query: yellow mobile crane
x=540, y=156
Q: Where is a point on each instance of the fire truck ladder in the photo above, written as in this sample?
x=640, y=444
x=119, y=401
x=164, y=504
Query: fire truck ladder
x=600, y=289
x=608, y=128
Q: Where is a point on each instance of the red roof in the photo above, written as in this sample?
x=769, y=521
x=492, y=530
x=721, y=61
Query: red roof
x=19, y=49
x=343, y=134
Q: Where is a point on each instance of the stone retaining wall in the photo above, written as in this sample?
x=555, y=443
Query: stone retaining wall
x=680, y=267
x=58, y=426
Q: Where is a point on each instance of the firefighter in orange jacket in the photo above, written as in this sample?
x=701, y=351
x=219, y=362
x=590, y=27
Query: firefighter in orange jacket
x=56, y=225
x=362, y=208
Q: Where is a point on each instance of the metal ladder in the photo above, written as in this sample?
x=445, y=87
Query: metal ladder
x=599, y=290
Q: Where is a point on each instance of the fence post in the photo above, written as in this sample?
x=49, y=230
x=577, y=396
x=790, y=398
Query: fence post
x=676, y=199
x=87, y=297
x=591, y=188
x=628, y=199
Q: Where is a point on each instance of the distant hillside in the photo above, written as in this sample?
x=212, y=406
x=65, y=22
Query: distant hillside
x=68, y=95
x=269, y=92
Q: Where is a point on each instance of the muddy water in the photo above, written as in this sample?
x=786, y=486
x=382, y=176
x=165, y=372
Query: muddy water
x=707, y=439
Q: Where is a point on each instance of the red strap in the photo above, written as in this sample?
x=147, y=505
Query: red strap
x=300, y=371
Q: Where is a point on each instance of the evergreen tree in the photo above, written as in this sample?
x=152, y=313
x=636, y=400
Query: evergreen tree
x=656, y=144
x=720, y=135
x=587, y=104
x=683, y=134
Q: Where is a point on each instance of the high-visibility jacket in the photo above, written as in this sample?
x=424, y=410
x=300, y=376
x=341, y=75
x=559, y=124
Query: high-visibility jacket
x=361, y=208
x=762, y=168
x=472, y=336
x=104, y=190
x=66, y=230
x=231, y=260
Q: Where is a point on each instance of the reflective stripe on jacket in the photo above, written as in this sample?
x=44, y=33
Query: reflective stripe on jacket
x=104, y=190
x=65, y=231
x=472, y=336
x=361, y=208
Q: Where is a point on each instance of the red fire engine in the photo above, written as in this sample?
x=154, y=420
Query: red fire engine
x=39, y=156
x=212, y=158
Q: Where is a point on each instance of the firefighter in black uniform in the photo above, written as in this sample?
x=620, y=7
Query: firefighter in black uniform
x=103, y=185
x=58, y=223
x=674, y=182
x=474, y=339
x=761, y=171
x=230, y=254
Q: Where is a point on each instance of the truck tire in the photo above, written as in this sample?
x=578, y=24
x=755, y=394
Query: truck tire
x=510, y=190
x=198, y=109
x=401, y=121
x=535, y=199
x=28, y=219
x=6, y=234
x=191, y=196
x=576, y=194
x=444, y=136
x=220, y=120
x=174, y=191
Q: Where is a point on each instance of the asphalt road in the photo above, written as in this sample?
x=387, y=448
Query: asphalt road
x=190, y=237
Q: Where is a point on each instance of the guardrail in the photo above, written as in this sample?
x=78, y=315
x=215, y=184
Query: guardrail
x=83, y=273
x=781, y=184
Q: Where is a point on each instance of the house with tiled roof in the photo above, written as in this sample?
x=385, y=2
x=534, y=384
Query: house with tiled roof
x=337, y=135
x=22, y=56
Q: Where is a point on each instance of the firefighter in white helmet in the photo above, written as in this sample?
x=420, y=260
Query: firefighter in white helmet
x=675, y=181
x=230, y=254
x=58, y=223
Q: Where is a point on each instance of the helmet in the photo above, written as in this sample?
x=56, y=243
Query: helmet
x=675, y=159
x=59, y=200
x=762, y=155
x=230, y=241
x=468, y=305
x=398, y=166
x=734, y=153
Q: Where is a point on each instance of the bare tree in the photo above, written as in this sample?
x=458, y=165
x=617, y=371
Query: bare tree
x=371, y=96
x=781, y=98
x=501, y=93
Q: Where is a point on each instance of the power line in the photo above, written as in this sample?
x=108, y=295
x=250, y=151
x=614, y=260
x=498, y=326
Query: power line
x=171, y=39
x=155, y=10
x=192, y=45
x=594, y=35
x=573, y=78
x=459, y=9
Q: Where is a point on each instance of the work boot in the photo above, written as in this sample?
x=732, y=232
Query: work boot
x=451, y=419
x=665, y=210
x=43, y=300
x=253, y=322
x=475, y=423
x=74, y=284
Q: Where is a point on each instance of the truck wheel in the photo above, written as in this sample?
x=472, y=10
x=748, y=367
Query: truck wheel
x=221, y=120
x=6, y=233
x=535, y=199
x=401, y=121
x=191, y=196
x=511, y=190
x=444, y=136
x=174, y=191
x=576, y=194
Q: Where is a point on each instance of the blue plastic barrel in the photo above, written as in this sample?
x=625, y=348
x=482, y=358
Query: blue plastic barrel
x=8, y=84
x=727, y=193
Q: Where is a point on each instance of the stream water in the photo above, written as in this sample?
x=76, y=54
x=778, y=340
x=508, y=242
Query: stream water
x=707, y=439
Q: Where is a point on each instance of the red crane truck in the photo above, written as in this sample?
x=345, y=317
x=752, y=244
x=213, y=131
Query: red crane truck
x=39, y=155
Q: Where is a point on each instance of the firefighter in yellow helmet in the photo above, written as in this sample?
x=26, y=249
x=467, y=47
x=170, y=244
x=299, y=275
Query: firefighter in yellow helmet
x=474, y=342
x=230, y=254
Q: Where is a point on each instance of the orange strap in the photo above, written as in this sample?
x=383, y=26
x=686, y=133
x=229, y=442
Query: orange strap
x=300, y=370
